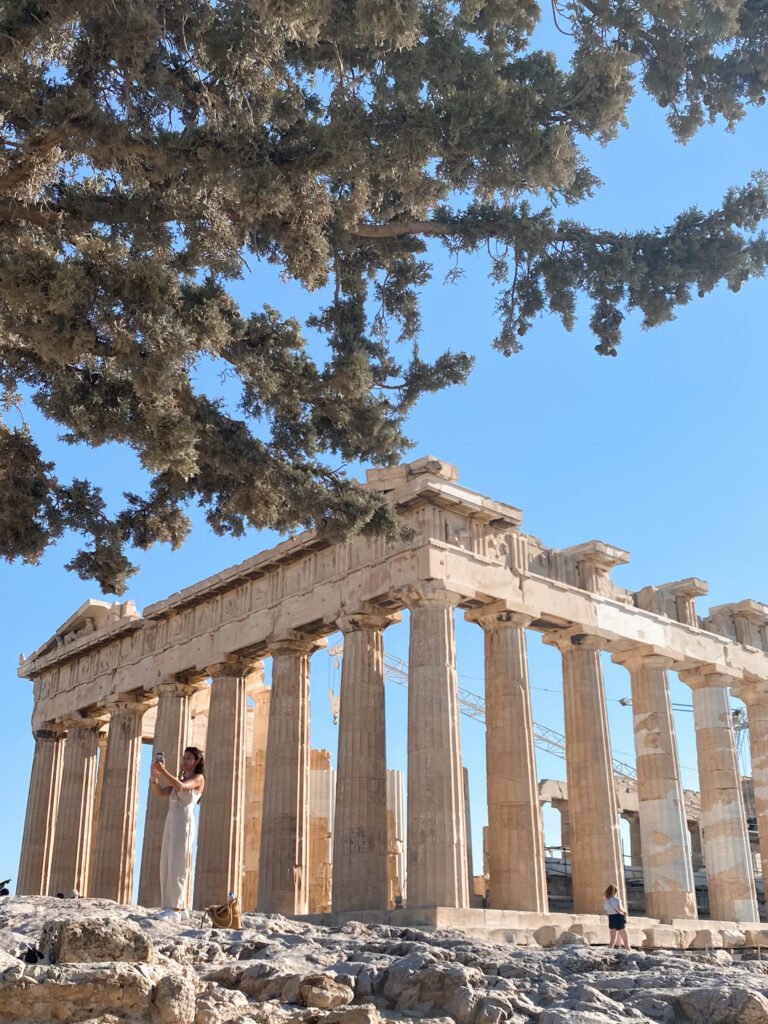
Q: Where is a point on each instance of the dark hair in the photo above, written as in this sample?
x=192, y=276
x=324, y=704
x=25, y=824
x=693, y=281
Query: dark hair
x=199, y=759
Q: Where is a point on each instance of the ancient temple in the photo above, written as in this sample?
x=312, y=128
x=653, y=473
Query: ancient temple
x=192, y=666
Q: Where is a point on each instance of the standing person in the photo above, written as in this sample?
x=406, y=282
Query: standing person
x=617, y=917
x=183, y=793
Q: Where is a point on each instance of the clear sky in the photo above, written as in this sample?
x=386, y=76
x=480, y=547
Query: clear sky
x=659, y=451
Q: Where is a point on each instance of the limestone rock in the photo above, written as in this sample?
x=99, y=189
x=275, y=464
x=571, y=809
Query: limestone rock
x=94, y=940
x=722, y=1006
x=324, y=992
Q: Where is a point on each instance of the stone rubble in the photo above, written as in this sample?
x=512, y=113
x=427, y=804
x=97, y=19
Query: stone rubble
x=105, y=963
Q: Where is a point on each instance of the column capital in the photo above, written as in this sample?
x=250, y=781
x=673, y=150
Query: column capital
x=641, y=656
x=95, y=721
x=233, y=667
x=566, y=640
x=752, y=691
x=367, y=617
x=174, y=687
x=432, y=592
x=50, y=732
x=137, y=704
x=292, y=640
x=708, y=676
x=496, y=616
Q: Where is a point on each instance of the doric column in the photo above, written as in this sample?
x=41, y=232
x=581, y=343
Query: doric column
x=697, y=852
x=756, y=699
x=255, y=767
x=561, y=806
x=632, y=819
x=727, y=856
x=101, y=740
x=360, y=827
x=71, y=857
x=592, y=807
x=284, y=861
x=115, y=840
x=171, y=737
x=40, y=821
x=516, y=865
x=437, y=856
x=667, y=872
x=219, y=865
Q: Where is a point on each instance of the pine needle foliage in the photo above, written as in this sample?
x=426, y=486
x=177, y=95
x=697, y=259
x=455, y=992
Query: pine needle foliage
x=149, y=151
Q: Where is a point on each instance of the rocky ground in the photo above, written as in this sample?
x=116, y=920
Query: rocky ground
x=109, y=964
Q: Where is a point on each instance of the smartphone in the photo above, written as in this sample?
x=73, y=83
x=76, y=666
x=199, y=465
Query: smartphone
x=160, y=757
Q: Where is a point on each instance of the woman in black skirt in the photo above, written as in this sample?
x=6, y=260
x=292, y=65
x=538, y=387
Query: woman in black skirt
x=617, y=917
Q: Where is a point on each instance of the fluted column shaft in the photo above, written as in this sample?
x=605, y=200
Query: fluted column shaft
x=592, y=806
x=219, y=865
x=727, y=856
x=360, y=825
x=171, y=737
x=437, y=856
x=255, y=769
x=40, y=820
x=667, y=871
x=284, y=860
x=757, y=718
x=115, y=841
x=71, y=857
x=518, y=879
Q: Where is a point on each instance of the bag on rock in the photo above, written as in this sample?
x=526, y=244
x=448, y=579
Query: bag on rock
x=224, y=915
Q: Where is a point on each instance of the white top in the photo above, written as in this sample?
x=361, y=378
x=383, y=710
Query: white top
x=613, y=905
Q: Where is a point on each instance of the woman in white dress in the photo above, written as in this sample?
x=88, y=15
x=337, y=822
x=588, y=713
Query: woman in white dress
x=183, y=793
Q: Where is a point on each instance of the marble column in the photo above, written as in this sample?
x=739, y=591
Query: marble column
x=727, y=855
x=70, y=860
x=667, y=870
x=632, y=819
x=255, y=769
x=561, y=806
x=101, y=766
x=284, y=860
x=516, y=864
x=360, y=827
x=219, y=866
x=756, y=699
x=593, y=810
x=115, y=840
x=697, y=852
x=172, y=727
x=40, y=820
x=436, y=850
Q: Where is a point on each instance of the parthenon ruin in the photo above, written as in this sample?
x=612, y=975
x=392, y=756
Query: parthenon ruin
x=110, y=678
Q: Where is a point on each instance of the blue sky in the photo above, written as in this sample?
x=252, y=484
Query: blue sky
x=659, y=451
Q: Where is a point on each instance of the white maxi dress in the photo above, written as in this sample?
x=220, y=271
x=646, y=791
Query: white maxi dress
x=176, y=851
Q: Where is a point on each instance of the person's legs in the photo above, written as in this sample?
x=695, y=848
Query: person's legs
x=624, y=938
x=612, y=941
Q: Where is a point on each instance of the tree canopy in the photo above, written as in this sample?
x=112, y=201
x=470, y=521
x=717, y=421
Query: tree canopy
x=149, y=151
